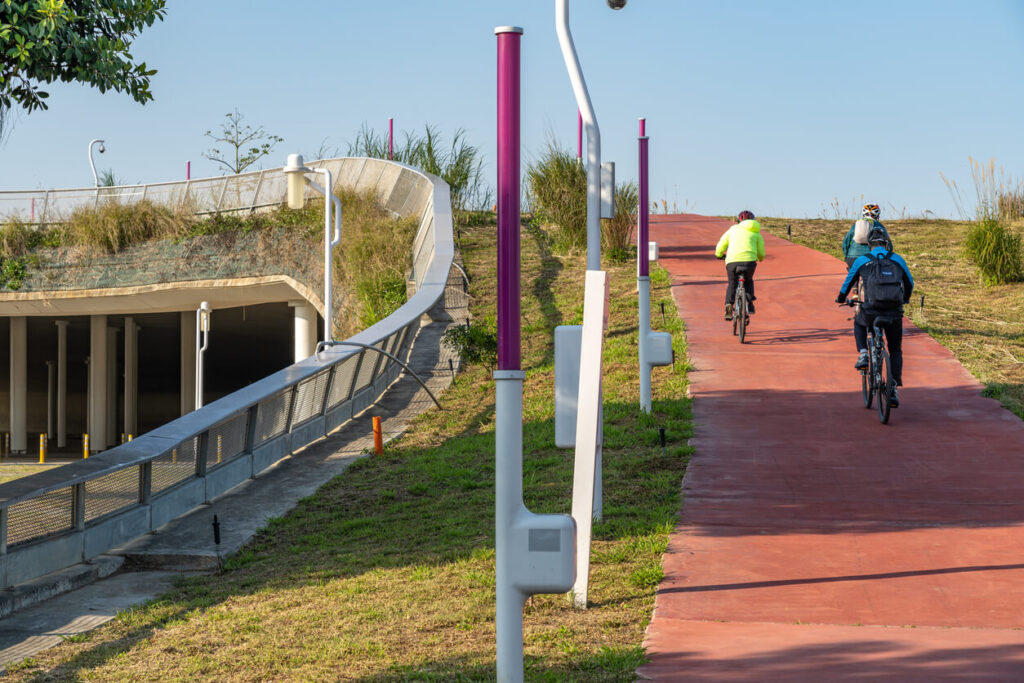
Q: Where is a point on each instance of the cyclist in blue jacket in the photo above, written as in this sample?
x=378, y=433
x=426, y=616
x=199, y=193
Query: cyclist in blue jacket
x=868, y=312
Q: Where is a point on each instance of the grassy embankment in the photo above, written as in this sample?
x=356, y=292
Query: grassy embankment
x=983, y=326
x=387, y=573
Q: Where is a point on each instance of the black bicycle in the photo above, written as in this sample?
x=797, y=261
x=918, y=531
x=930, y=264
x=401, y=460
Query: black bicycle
x=876, y=379
x=740, y=312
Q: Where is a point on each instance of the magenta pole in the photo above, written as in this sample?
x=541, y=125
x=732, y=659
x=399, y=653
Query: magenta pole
x=579, y=134
x=188, y=170
x=644, y=202
x=391, y=138
x=643, y=126
x=508, y=200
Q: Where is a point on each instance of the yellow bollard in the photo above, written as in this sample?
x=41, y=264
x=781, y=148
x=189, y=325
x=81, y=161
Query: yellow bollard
x=129, y=437
x=85, y=445
x=122, y=437
x=42, y=448
x=218, y=447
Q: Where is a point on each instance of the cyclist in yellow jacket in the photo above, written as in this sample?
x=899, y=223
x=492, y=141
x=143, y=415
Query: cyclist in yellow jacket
x=742, y=247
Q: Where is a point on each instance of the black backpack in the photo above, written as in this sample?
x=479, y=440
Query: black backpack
x=883, y=283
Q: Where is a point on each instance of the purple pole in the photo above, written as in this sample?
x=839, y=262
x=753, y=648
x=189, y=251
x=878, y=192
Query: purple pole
x=508, y=200
x=188, y=170
x=643, y=126
x=644, y=202
x=391, y=138
x=579, y=134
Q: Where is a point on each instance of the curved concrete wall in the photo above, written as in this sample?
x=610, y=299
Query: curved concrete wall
x=70, y=514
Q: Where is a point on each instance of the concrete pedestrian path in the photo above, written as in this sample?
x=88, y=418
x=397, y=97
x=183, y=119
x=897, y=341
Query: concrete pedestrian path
x=814, y=542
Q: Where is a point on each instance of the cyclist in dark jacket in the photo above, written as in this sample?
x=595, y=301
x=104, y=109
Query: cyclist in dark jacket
x=878, y=239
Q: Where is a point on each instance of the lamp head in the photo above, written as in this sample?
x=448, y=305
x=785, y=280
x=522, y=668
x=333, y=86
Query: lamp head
x=295, y=171
x=102, y=148
x=616, y=4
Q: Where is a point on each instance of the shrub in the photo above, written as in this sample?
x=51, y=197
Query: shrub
x=996, y=251
x=473, y=343
x=617, y=232
x=557, y=185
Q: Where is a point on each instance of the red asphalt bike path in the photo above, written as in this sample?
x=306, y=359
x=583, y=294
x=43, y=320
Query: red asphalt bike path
x=814, y=542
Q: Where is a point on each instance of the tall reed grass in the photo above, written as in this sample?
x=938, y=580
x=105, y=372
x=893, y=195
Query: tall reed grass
x=617, y=232
x=557, y=189
x=992, y=244
x=998, y=196
x=459, y=164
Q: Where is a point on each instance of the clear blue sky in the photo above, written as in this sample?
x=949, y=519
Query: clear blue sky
x=779, y=107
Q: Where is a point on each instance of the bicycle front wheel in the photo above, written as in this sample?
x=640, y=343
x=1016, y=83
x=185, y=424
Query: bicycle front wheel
x=885, y=383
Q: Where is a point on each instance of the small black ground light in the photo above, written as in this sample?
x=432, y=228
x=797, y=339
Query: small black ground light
x=216, y=530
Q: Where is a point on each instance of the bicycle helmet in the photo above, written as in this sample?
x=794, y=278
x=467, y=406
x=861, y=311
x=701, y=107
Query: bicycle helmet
x=878, y=235
x=745, y=216
x=871, y=211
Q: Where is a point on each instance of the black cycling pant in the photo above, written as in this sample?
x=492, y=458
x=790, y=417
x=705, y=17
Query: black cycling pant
x=734, y=269
x=893, y=335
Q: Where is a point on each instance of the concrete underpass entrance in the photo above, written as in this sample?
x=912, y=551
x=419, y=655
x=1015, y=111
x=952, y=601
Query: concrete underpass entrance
x=145, y=377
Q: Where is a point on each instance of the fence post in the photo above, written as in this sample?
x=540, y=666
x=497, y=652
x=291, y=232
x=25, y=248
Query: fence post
x=355, y=374
x=223, y=192
x=78, y=507
x=3, y=533
x=256, y=194
x=146, y=482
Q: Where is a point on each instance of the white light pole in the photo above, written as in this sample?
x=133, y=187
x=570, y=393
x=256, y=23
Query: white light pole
x=92, y=164
x=296, y=170
x=202, y=341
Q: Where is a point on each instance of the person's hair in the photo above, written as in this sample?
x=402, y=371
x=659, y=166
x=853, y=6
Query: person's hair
x=745, y=216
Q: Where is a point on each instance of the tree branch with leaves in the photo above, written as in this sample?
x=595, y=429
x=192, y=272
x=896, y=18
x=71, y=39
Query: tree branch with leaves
x=84, y=41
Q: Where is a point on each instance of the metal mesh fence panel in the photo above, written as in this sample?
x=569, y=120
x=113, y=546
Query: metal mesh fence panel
x=112, y=492
x=309, y=400
x=366, y=369
x=344, y=373
x=272, y=416
x=227, y=440
x=41, y=516
x=176, y=466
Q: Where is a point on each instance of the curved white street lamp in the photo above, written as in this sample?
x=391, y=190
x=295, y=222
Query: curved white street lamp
x=295, y=170
x=202, y=342
x=95, y=178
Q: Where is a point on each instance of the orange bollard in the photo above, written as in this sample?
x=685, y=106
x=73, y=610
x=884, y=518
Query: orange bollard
x=378, y=437
x=85, y=445
x=42, y=448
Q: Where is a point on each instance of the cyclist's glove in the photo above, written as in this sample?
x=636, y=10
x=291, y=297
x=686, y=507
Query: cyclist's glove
x=841, y=299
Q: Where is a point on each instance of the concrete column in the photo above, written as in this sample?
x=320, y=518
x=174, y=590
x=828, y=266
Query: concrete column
x=113, y=438
x=19, y=390
x=62, y=383
x=97, y=383
x=131, y=376
x=51, y=378
x=305, y=329
x=188, y=361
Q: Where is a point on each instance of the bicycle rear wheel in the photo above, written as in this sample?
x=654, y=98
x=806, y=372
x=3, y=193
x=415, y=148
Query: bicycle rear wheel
x=867, y=386
x=885, y=385
x=743, y=319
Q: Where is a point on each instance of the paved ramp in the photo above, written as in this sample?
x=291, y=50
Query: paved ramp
x=816, y=543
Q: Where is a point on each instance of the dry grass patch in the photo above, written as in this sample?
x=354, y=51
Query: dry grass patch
x=983, y=326
x=12, y=471
x=387, y=573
